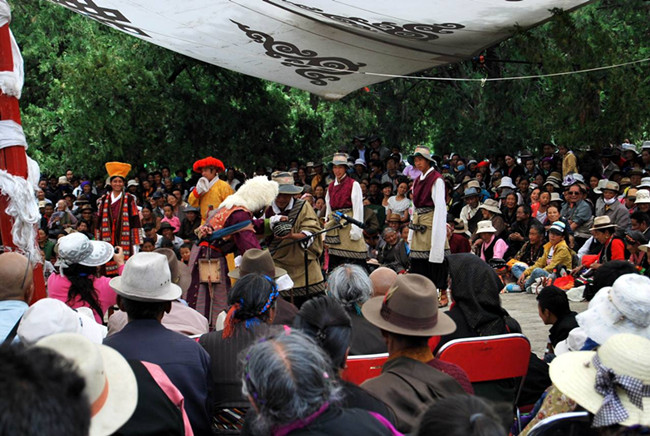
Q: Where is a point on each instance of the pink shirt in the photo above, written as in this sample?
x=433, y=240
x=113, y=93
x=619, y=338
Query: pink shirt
x=174, y=222
x=499, y=249
x=58, y=286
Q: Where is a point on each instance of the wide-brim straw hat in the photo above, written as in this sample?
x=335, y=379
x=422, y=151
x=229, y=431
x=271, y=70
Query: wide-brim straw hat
x=340, y=159
x=285, y=183
x=146, y=277
x=111, y=386
x=491, y=205
x=623, y=307
x=610, y=186
x=460, y=228
x=602, y=222
x=420, y=151
x=409, y=308
x=485, y=226
x=259, y=262
x=76, y=248
x=575, y=375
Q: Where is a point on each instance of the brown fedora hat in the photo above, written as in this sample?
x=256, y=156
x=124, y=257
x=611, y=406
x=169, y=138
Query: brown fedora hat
x=180, y=272
x=409, y=308
x=257, y=261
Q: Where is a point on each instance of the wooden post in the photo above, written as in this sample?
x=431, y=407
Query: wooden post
x=13, y=159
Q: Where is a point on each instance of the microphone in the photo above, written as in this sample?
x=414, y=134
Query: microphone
x=350, y=220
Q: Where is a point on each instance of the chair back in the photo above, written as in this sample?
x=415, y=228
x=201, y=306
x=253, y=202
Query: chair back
x=363, y=367
x=564, y=424
x=489, y=358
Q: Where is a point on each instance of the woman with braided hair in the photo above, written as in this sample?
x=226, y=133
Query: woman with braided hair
x=251, y=310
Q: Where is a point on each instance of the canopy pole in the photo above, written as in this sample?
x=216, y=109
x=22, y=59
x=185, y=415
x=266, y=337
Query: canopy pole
x=13, y=159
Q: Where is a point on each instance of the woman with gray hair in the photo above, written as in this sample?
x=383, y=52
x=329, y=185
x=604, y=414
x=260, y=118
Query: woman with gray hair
x=350, y=285
x=289, y=381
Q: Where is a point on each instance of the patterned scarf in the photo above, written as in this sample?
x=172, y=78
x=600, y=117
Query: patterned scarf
x=116, y=230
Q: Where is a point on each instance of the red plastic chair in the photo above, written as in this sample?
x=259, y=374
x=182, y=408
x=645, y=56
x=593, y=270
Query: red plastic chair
x=490, y=358
x=363, y=367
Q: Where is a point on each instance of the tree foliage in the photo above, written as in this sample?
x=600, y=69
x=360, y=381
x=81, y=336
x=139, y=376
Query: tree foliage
x=93, y=94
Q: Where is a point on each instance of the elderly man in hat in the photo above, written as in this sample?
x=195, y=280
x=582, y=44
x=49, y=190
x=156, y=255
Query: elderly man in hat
x=119, y=220
x=289, y=254
x=344, y=196
x=209, y=191
x=190, y=223
x=412, y=377
x=428, y=234
x=181, y=318
x=470, y=214
x=145, y=291
x=613, y=247
x=609, y=205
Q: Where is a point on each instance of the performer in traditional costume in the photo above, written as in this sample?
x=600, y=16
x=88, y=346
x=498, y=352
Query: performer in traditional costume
x=289, y=255
x=345, y=245
x=119, y=221
x=236, y=227
x=209, y=191
x=428, y=228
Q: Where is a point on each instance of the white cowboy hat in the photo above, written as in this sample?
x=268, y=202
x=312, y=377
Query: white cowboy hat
x=485, y=227
x=602, y=222
x=645, y=183
x=608, y=382
x=111, y=387
x=146, y=277
x=77, y=248
x=491, y=205
x=600, y=186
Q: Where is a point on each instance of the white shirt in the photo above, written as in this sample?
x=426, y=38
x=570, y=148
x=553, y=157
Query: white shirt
x=357, y=209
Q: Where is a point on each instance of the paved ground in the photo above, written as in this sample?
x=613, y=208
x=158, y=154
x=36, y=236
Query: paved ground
x=523, y=308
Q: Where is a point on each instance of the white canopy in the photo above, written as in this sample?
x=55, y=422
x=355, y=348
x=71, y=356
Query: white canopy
x=327, y=47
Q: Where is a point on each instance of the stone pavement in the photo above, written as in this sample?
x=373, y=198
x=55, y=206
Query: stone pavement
x=523, y=308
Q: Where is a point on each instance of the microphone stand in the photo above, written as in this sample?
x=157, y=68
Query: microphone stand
x=305, y=248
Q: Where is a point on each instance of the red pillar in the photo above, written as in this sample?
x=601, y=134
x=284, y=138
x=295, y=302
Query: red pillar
x=13, y=159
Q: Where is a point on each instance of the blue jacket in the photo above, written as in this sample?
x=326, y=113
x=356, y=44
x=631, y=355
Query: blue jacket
x=184, y=361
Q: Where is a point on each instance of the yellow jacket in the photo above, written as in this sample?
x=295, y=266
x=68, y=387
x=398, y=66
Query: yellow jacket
x=561, y=256
x=217, y=193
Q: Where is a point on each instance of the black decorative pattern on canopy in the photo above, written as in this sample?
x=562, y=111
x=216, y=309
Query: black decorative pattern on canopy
x=307, y=63
x=112, y=17
x=411, y=31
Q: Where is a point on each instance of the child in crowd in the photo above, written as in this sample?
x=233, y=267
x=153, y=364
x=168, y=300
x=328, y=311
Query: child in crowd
x=185, y=252
x=169, y=217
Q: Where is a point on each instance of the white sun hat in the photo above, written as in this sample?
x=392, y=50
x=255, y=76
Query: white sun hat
x=77, y=248
x=49, y=316
x=111, y=387
x=622, y=308
x=611, y=383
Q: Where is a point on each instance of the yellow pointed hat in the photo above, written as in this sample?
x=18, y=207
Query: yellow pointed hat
x=118, y=169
